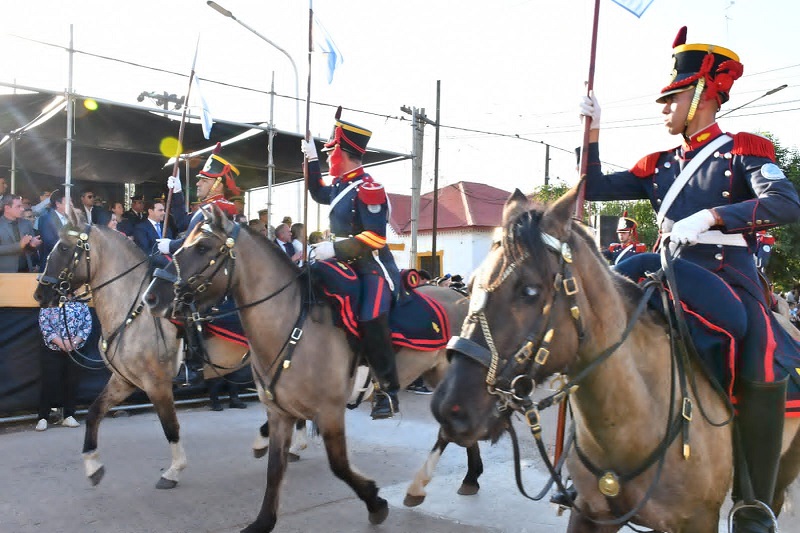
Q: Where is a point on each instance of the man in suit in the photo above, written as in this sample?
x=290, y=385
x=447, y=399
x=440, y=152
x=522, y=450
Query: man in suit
x=90, y=211
x=147, y=233
x=17, y=242
x=51, y=222
x=3, y=188
x=283, y=238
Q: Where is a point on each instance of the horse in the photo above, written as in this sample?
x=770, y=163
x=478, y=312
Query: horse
x=545, y=302
x=141, y=351
x=314, y=380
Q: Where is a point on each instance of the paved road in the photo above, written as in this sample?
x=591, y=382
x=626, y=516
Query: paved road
x=43, y=487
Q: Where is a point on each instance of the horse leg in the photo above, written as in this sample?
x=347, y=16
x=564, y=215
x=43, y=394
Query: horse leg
x=788, y=469
x=261, y=443
x=299, y=441
x=365, y=488
x=415, y=494
x=470, y=485
x=115, y=391
x=280, y=436
x=164, y=403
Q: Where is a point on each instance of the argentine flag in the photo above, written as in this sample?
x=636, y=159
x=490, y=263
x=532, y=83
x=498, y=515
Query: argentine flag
x=333, y=56
x=637, y=7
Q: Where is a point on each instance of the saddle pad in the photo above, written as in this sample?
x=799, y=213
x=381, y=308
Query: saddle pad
x=716, y=319
x=417, y=321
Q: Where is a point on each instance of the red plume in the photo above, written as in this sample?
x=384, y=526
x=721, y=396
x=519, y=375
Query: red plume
x=217, y=149
x=680, y=38
x=338, y=113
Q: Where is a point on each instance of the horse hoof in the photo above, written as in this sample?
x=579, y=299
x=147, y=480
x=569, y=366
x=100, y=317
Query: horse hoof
x=293, y=457
x=377, y=517
x=468, y=490
x=412, y=501
x=164, y=483
x=97, y=476
x=258, y=453
x=255, y=527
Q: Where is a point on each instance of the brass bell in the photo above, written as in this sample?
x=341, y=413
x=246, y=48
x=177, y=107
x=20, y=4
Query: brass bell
x=609, y=484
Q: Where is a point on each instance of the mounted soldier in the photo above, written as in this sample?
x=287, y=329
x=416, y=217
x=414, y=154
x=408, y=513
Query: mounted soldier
x=628, y=244
x=713, y=194
x=358, y=218
x=216, y=184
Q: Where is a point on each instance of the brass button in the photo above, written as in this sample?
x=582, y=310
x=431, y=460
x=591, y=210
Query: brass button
x=655, y=185
x=658, y=200
x=718, y=257
x=728, y=173
x=725, y=194
x=667, y=164
x=728, y=155
x=758, y=222
x=716, y=154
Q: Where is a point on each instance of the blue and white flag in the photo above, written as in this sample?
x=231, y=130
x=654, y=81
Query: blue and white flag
x=333, y=56
x=205, y=113
x=637, y=7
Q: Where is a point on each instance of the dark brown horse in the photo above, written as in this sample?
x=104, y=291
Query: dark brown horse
x=545, y=302
x=217, y=257
x=140, y=350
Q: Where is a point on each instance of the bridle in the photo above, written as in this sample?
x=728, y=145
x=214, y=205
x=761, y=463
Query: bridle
x=62, y=284
x=514, y=387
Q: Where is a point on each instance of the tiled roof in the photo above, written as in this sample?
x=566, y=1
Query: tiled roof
x=461, y=205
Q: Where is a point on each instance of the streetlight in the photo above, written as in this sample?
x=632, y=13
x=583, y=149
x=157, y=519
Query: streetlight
x=221, y=10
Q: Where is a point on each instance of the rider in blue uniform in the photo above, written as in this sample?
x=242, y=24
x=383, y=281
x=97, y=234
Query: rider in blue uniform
x=358, y=218
x=734, y=190
x=628, y=244
x=216, y=183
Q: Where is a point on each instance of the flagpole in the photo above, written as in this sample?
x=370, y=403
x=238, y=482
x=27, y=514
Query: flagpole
x=308, y=129
x=587, y=121
x=180, y=135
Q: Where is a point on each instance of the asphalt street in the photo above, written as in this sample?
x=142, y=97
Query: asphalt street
x=43, y=487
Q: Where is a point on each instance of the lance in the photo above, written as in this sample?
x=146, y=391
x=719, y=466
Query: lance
x=308, y=130
x=587, y=122
x=180, y=135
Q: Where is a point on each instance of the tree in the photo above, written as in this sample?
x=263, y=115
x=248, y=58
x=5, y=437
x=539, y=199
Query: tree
x=784, y=265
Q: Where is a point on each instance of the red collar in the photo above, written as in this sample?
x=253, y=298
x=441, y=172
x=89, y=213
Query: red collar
x=350, y=176
x=212, y=199
x=702, y=137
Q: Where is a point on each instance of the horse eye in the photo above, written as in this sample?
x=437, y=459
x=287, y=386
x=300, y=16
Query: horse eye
x=202, y=248
x=62, y=248
x=529, y=292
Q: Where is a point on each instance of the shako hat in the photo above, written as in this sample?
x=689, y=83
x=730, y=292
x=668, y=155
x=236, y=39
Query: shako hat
x=352, y=139
x=217, y=167
x=626, y=224
x=708, y=66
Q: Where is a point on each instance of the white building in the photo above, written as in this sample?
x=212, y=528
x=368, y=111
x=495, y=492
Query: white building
x=468, y=213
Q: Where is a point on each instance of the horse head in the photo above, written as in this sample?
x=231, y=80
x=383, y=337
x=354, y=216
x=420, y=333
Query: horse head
x=68, y=264
x=522, y=324
x=201, y=270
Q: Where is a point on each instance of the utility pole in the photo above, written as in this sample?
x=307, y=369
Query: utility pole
x=418, y=122
x=416, y=175
x=546, y=165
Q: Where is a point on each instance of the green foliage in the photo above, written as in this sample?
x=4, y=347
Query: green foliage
x=784, y=265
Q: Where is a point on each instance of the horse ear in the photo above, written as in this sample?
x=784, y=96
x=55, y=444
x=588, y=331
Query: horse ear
x=73, y=216
x=516, y=204
x=558, y=217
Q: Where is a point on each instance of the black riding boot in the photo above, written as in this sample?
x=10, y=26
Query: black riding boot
x=214, y=387
x=760, y=419
x=191, y=370
x=376, y=344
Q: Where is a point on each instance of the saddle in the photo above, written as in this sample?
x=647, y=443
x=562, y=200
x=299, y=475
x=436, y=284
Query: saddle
x=416, y=320
x=717, y=323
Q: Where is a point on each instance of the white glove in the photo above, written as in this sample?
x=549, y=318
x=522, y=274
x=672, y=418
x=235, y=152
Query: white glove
x=174, y=183
x=310, y=149
x=322, y=251
x=590, y=108
x=687, y=230
x=163, y=245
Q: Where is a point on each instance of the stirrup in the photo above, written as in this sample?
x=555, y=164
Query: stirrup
x=756, y=504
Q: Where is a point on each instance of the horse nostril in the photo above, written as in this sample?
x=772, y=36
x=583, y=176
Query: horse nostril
x=150, y=298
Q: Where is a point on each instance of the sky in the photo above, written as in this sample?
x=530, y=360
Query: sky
x=511, y=71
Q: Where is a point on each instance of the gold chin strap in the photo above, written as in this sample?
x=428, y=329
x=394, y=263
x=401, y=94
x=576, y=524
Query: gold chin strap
x=698, y=92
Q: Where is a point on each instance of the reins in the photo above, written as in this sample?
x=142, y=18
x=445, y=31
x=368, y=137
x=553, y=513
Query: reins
x=534, y=352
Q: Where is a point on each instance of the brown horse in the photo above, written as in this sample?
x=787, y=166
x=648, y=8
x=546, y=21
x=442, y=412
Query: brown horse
x=544, y=302
x=219, y=256
x=140, y=350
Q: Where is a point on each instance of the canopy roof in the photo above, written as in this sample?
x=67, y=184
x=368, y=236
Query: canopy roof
x=118, y=143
